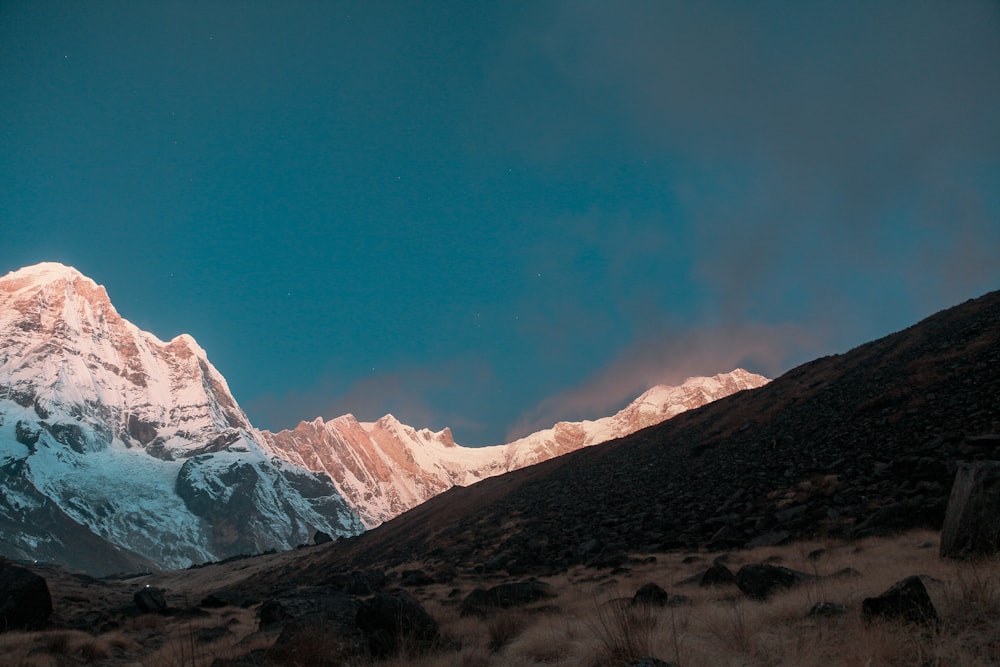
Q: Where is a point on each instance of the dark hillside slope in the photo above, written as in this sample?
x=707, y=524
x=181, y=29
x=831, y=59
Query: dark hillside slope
x=854, y=444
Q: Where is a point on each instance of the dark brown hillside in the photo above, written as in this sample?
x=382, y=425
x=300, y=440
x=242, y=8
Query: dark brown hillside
x=854, y=444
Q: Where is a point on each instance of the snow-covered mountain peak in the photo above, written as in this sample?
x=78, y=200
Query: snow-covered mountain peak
x=51, y=292
x=84, y=392
x=45, y=272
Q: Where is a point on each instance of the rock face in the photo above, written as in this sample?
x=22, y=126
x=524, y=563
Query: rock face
x=971, y=527
x=385, y=468
x=120, y=451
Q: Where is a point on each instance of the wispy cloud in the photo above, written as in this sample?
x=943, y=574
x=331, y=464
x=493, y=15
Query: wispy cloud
x=670, y=359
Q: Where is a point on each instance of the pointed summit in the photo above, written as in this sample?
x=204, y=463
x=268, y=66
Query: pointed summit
x=57, y=285
x=45, y=272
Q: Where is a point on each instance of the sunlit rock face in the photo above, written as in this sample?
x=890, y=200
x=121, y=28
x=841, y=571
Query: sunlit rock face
x=384, y=468
x=107, y=430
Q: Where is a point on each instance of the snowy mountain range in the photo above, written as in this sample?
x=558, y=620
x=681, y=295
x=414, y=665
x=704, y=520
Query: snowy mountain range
x=384, y=468
x=119, y=451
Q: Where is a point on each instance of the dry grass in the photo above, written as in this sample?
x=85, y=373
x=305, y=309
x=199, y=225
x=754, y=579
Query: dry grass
x=592, y=623
x=722, y=627
x=59, y=647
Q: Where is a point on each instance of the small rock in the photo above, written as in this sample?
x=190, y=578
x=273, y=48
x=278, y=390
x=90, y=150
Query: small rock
x=906, y=600
x=769, y=539
x=845, y=573
x=760, y=582
x=414, y=578
x=652, y=595
x=717, y=575
x=827, y=609
x=483, y=602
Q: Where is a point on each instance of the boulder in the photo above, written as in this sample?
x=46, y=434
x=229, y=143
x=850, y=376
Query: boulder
x=482, y=602
x=717, y=575
x=906, y=600
x=150, y=600
x=415, y=578
x=311, y=606
x=222, y=598
x=761, y=581
x=393, y=621
x=970, y=524
x=321, y=538
x=25, y=602
x=651, y=595
x=358, y=582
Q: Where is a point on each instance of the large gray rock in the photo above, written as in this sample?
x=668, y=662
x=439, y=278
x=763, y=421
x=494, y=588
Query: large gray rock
x=971, y=525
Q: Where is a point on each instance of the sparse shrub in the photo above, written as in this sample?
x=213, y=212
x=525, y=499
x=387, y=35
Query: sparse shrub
x=504, y=627
x=625, y=632
x=55, y=643
x=92, y=650
x=312, y=645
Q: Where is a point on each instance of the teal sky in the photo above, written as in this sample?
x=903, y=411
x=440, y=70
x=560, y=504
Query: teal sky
x=494, y=216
